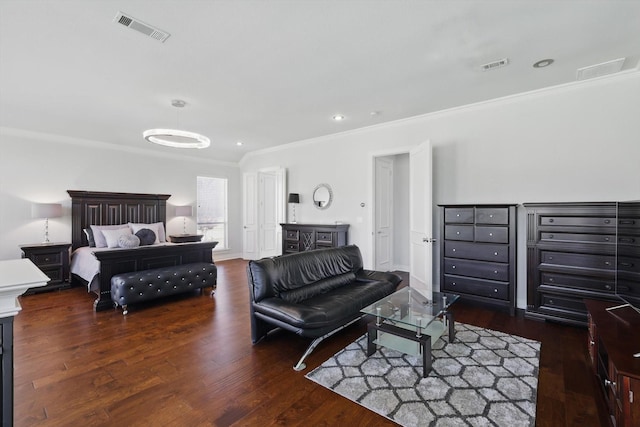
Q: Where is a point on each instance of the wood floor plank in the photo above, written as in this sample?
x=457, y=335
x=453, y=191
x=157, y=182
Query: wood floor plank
x=190, y=362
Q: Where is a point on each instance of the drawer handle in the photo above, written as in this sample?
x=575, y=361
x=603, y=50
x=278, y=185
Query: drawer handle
x=607, y=287
x=625, y=264
x=490, y=215
x=608, y=383
x=551, y=279
x=453, y=283
x=607, y=221
x=453, y=266
x=592, y=342
x=607, y=263
x=551, y=236
x=495, y=290
x=551, y=301
x=458, y=215
x=550, y=219
x=626, y=240
x=550, y=258
x=490, y=234
x=606, y=239
x=454, y=249
x=458, y=233
x=495, y=253
x=495, y=271
x=627, y=222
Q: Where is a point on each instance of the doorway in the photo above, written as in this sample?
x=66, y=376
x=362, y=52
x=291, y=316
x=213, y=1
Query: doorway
x=391, y=218
x=402, y=214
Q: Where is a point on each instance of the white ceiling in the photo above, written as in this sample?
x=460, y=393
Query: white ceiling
x=272, y=72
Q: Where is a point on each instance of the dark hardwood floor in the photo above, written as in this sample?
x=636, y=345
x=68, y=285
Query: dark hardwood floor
x=190, y=362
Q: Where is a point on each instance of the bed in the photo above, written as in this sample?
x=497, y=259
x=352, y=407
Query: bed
x=108, y=208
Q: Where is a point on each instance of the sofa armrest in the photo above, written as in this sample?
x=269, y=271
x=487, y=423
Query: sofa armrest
x=380, y=275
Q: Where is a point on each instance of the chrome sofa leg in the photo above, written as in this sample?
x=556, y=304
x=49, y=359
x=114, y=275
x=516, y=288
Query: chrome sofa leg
x=301, y=365
x=124, y=310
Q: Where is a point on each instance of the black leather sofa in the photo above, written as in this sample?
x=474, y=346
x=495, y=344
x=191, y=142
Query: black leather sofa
x=314, y=293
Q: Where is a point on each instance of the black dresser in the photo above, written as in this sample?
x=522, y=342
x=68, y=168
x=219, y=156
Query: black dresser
x=571, y=255
x=306, y=237
x=478, y=253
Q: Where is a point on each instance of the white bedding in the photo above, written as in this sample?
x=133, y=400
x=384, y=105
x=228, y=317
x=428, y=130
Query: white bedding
x=84, y=264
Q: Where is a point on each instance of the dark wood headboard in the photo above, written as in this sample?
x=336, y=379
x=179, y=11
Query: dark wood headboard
x=106, y=208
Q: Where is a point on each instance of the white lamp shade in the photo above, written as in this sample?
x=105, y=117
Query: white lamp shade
x=184, y=211
x=46, y=210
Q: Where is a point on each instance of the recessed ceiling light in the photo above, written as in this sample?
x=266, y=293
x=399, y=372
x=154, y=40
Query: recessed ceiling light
x=338, y=117
x=543, y=63
x=375, y=113
x=239, y=143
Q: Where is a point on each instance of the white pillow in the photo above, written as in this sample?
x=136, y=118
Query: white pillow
x=156, y=227
x=98, y=237
x=112, y=236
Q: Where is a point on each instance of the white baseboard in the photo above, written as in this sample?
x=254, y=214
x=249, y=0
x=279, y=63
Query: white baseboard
x=399, y=267
x=223, y=256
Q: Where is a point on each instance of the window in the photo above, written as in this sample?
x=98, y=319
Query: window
x=212, y=210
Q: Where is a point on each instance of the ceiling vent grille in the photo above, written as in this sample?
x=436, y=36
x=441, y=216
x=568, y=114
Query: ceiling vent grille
x=146, y=29
x=495, y=64
x=599, y=70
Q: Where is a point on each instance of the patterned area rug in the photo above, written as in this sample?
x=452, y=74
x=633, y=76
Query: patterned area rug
x=483, y=378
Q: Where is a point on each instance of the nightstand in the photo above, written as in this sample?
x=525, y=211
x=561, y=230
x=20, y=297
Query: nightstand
x=186, y=238
x=53, y=260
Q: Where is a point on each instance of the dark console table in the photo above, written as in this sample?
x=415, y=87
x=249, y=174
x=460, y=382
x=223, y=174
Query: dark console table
x=306, y=237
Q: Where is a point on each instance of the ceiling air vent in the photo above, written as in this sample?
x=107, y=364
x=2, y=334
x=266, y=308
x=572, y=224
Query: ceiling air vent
x=146, y=29
x=599, y=70
x=495, y=64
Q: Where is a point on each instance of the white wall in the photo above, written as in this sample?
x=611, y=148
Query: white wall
x=577, y=142
x=40, y=168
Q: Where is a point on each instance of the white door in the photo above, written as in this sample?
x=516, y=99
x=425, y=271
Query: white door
x=250, y=216
x=383, y=213
x=420, y=219
x=271, y=209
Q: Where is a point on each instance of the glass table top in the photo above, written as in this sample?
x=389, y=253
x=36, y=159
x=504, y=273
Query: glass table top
x=408, y=306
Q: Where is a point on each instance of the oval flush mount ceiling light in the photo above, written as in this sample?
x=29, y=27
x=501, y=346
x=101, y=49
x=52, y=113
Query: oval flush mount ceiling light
x=543, y=63
x=338, y=117
x=176, y=138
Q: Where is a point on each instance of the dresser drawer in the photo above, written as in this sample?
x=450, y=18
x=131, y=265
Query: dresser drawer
x=458, y=232
x=572, y=307
x=458, y=215
x=484, y=288
x=577, y=237
x=292, y=234
x=292, y=247
x=492, y=216
x=47, y=258
x=628, y=264
x=480, y=269
x=54, y=273
x=492, y=234
x=324, y=237
x=599, y=262
x=577, y=221
x=478, y=251
x=578, y=282
x=630, y=288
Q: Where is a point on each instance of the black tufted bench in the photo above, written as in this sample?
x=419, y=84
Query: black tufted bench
x=146, y=285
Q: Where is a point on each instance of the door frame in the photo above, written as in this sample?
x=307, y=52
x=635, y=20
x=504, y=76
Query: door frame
x=372, y=189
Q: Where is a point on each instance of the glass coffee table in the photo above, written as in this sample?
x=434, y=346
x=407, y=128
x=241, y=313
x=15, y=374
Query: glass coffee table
x=408, y=322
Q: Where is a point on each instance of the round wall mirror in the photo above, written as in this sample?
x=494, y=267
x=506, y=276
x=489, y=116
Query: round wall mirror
x=322, y=196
